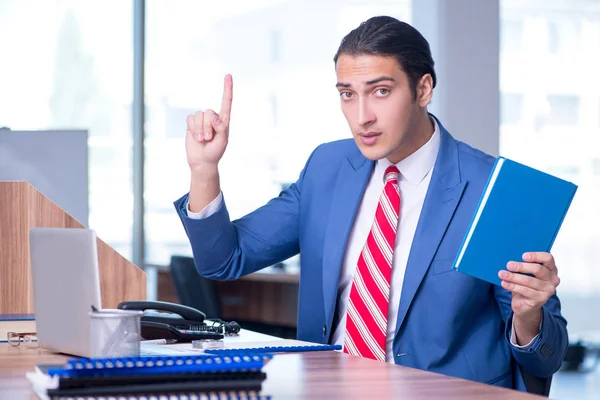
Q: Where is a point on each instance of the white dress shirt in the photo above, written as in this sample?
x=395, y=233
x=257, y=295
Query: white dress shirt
x=209, y=210
x=415, y=175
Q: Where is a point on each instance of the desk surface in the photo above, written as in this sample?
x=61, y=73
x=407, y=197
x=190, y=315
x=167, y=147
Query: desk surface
x=270, y=274
x=273, y=274
x=313, y=375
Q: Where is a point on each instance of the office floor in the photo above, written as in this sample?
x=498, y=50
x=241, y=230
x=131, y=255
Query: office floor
x=576, y=385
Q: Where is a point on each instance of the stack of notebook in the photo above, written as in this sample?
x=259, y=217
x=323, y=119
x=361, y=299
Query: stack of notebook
x=154, y=377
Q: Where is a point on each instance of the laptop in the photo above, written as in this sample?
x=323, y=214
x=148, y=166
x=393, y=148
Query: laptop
x=66, y=284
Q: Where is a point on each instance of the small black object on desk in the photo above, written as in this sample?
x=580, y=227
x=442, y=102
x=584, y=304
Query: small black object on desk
x=163, y=320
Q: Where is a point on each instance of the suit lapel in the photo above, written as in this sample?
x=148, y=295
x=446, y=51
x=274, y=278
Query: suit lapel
x=349, y=188
x=443, y=196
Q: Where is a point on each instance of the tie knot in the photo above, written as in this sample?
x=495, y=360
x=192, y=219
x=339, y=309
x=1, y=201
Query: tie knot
x=391, y=174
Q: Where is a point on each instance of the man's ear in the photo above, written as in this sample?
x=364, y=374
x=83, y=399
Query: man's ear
x=424, y=90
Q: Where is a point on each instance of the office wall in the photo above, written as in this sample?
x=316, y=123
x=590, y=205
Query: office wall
x=55, y=162
x=464, y=39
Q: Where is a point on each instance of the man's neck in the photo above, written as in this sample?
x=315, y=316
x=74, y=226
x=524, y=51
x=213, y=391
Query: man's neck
x=423, y=132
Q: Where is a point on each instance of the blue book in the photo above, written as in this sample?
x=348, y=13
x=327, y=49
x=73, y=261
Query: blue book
x=521, y=210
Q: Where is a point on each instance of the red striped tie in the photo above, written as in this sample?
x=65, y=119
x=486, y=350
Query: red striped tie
x=367, y=311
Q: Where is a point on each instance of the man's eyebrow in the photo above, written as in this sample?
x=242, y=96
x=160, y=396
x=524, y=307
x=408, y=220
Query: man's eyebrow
x=368, y=83
x=342, y=85
x=380, y=79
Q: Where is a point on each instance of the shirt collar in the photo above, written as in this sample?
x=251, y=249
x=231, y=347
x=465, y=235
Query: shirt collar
x=415, y=167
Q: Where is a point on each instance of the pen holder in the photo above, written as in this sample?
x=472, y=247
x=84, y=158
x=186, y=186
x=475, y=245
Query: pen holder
x=114, y=333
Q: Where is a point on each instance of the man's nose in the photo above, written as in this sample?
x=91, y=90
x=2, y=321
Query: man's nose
x=365, y=114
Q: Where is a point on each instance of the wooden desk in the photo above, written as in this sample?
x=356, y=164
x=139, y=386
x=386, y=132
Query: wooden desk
x=317, y=375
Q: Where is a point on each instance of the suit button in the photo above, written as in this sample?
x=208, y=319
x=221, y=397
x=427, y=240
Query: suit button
x=324, y=330
x=545, y=350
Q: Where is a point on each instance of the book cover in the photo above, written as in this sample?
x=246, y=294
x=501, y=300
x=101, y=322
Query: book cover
x=521, y=210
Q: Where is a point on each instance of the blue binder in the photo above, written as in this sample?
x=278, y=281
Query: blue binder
x=521, y=210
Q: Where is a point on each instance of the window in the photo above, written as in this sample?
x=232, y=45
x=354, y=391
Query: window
x=275, y=45
x=279, y=66
x=511, y=36
x=596, y=167
x=511, y=108
x=561, y=99
x=64, y=67
x=274, y=109
x=553, y=38
x=563, y=109
x=563, y=35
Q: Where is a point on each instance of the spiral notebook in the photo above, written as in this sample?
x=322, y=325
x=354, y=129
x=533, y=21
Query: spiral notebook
x=152, y=377
x=267, y=350
x=235, y=347
x=134, y=366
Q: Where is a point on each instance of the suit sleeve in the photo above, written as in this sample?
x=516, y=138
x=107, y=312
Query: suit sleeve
x=226, y=250
x=544, y=356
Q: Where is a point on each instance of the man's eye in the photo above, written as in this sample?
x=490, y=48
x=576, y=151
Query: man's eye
x=346, y=95
x=382, y=92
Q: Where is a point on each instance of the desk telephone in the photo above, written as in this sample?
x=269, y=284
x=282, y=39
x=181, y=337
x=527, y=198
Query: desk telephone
x=163, y=320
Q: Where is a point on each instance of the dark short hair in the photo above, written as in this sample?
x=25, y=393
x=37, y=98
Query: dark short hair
x=389, y=37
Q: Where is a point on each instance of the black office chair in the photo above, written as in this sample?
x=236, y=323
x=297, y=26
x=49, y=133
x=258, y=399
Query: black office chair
x=193, y=289
x=535, y=384
x=202, y=294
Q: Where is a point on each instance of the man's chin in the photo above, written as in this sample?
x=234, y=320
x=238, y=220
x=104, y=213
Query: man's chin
x=372, y=153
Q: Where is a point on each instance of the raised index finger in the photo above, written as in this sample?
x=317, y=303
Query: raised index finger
x=227, y=99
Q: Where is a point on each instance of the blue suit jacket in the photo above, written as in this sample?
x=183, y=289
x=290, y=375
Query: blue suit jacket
x=448, y=322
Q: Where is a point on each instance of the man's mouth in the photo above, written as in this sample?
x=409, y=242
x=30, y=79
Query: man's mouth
x=369, y=138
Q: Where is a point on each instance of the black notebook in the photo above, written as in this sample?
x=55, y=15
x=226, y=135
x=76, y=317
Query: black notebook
x=223, y=395
x=172, y=389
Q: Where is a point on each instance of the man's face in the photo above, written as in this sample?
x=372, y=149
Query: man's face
x=378, y=104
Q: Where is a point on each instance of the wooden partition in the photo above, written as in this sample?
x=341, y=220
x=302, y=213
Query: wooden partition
x=23, y=207
x=269, y=296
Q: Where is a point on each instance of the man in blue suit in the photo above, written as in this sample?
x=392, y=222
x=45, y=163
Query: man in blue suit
x=378, y=221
